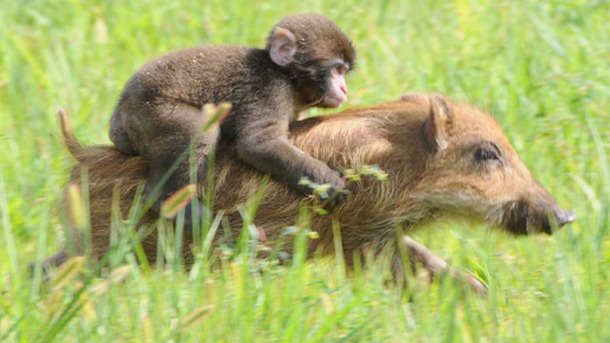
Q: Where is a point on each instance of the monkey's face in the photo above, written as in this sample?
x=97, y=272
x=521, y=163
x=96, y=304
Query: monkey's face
x=317, y=55
x=333, y=87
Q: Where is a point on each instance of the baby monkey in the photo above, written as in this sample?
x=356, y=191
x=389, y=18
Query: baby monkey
x=304, y=65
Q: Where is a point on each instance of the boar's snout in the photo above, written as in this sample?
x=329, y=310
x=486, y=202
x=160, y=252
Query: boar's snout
x=564, y=217
x=524, y=218
x=560, y=217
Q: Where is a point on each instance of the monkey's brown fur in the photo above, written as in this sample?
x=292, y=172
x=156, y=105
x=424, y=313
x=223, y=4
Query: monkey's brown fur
x=428, y=145
x=159, y=111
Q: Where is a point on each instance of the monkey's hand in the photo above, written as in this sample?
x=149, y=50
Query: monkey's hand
x=335, y=196
x=329, y=194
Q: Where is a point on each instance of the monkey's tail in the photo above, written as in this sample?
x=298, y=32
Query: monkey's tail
x=73, y=145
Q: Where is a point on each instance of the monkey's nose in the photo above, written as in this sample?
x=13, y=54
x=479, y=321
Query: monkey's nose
x=344, y=89
x=564, y=217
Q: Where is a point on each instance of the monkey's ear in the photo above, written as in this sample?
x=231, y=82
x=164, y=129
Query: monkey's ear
x=283, y=47
x=438, y=122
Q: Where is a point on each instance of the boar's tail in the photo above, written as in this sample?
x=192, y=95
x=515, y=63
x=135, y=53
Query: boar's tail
x=100, y=155
x=73, y=145
x=104, y=162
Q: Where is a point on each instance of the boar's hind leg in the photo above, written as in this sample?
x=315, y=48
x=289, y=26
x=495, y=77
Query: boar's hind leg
x=436, y=266
x=53, y=261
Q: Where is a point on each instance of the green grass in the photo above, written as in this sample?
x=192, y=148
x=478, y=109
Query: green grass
x=542, y=67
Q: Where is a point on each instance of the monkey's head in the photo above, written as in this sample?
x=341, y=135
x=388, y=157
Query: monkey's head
x=317, y=55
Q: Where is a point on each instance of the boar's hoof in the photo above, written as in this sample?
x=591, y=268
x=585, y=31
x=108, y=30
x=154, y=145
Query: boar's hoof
x=475, y=284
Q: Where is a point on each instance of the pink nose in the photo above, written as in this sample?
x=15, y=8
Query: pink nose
x=344, y=89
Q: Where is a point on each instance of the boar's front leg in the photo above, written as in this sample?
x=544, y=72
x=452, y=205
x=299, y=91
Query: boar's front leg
x=419, y=255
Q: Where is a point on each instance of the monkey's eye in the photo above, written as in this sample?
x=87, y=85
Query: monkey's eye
x=488, y=152
x=340, y=69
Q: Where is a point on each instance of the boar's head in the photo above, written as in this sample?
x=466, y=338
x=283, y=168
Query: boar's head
x=473, y=171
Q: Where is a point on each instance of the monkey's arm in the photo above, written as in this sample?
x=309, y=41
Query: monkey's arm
x=263, y=143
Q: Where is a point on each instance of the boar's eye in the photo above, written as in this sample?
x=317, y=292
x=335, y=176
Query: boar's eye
x=488, y=152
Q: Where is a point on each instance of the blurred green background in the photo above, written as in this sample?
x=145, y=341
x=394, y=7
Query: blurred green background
x=541, y=67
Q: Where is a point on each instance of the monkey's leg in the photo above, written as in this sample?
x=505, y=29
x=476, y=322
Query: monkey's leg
x=419, y=255
x=170, y=152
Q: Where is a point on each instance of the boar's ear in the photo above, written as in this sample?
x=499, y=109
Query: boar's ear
x=438, y=122
x=417, y=97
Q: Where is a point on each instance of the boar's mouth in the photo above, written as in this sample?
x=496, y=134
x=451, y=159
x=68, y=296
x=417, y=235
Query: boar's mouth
x=521, y=218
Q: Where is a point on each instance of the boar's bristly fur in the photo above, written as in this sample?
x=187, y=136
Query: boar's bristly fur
x=444, y=160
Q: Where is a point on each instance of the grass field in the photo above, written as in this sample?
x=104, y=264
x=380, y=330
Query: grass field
x=542, y=68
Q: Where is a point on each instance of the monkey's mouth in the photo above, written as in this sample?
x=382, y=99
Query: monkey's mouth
x=332, y=101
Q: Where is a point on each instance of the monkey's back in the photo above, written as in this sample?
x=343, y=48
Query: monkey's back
x=196, y=75
x=192, y=76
